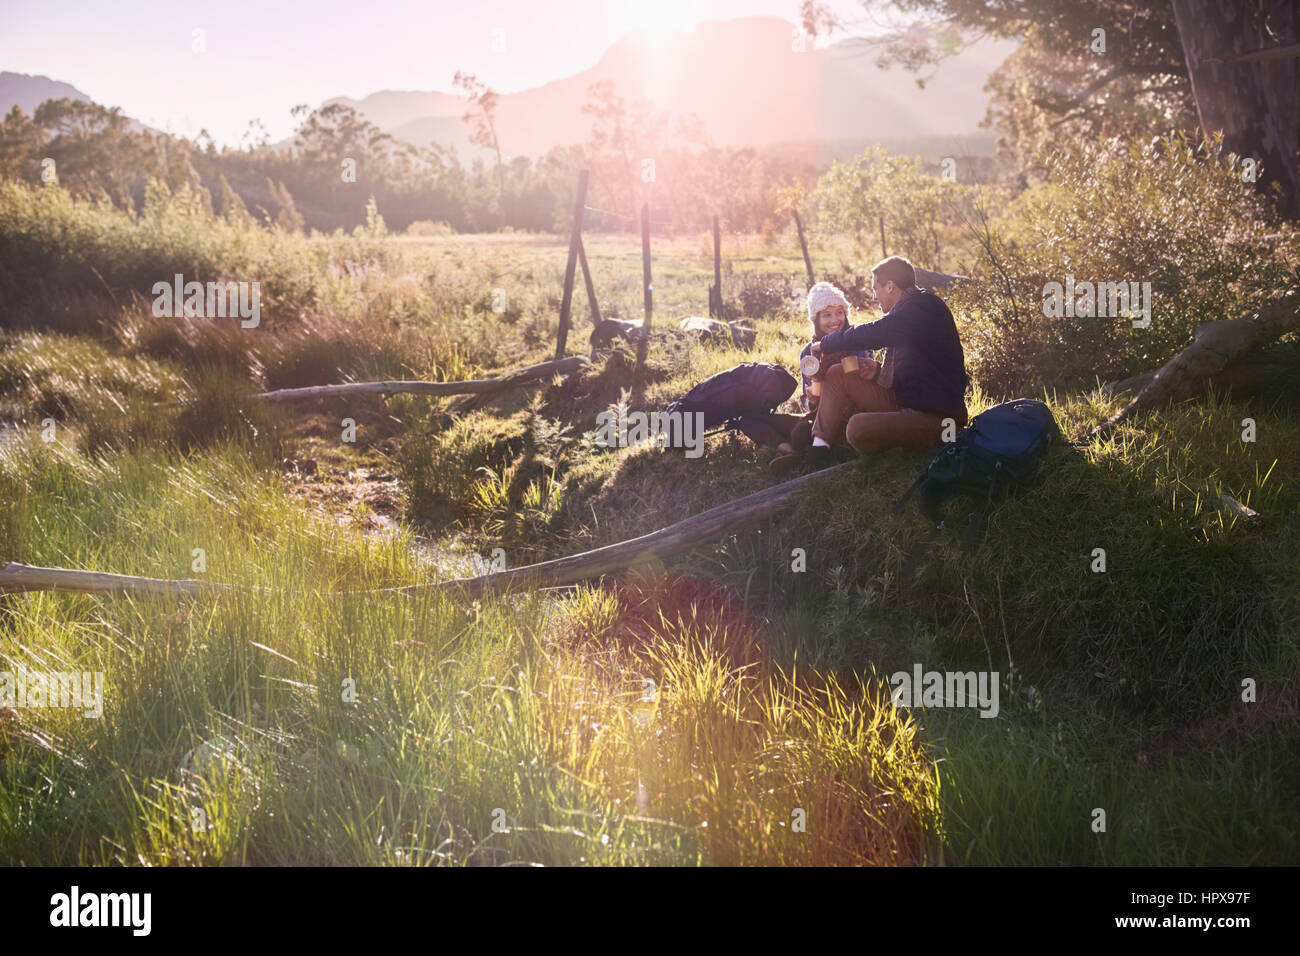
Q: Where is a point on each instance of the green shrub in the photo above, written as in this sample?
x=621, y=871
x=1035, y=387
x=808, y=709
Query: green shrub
x=54, y=246
x=877, y=190
x=439, y=471
x=1168, y=211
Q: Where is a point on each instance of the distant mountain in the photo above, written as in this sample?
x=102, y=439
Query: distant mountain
x=390, y=109
x=29, y=92
x=447, y=130
x=742, y=78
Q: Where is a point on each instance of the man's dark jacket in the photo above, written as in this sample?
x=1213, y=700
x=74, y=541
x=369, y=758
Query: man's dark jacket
x=929, y=367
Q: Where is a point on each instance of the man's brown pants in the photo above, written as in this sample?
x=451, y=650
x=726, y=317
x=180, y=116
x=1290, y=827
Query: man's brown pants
x=866, y=415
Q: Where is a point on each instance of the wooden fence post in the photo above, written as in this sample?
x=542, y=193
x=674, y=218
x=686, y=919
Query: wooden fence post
x=649, y=291
x=645, y=264
x=591, y=286
x=575, y=242
x=715, y=293
x=807, y=262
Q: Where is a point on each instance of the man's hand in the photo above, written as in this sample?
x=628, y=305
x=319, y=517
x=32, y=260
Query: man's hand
x=816, y=349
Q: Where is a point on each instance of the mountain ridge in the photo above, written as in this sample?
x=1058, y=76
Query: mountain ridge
x=744, y=78
x=814, y=95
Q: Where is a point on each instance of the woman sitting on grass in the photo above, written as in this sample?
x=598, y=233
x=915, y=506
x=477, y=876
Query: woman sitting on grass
x=828, y=311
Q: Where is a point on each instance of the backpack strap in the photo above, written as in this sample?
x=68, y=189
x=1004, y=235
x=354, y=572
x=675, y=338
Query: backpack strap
x=977, y=517
x=733, y=424
x=898, y=505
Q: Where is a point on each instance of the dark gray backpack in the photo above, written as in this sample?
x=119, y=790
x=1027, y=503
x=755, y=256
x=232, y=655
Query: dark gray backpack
x=748, y=388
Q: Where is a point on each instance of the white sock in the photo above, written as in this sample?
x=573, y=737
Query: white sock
x=820, y=443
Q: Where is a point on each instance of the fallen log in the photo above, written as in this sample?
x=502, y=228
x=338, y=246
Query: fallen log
x=1215, y=346
x=707, y=526
x=1271, y=371
x=533, y=373
x=473, y=387
x=16, y=578
x=486, y=386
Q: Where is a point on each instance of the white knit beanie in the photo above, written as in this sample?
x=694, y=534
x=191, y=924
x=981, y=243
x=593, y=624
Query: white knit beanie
x=821, y=295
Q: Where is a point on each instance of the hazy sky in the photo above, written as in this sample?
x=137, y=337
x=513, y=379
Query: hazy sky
x=264, y=57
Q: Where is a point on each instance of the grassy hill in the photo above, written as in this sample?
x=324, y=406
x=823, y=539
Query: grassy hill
x=722, y=708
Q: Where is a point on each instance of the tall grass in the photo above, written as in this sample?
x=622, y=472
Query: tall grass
x=483, y=735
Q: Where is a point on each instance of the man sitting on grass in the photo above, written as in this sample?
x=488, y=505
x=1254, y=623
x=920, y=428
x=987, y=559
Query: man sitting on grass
x=903, y=402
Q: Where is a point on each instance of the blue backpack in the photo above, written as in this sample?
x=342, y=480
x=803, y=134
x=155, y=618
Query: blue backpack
x=1000, y=449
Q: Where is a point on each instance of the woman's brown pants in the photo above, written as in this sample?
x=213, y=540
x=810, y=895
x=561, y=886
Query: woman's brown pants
x=866, y=415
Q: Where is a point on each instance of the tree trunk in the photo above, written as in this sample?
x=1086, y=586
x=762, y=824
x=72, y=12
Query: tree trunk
x=1271, y=371
x=1252, y=100
x=478, y=387
x=16, y=578
x=1216, y=346
x=532, y=373
x=708, y=527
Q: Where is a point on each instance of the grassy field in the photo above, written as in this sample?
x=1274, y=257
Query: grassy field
x=722, y=709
